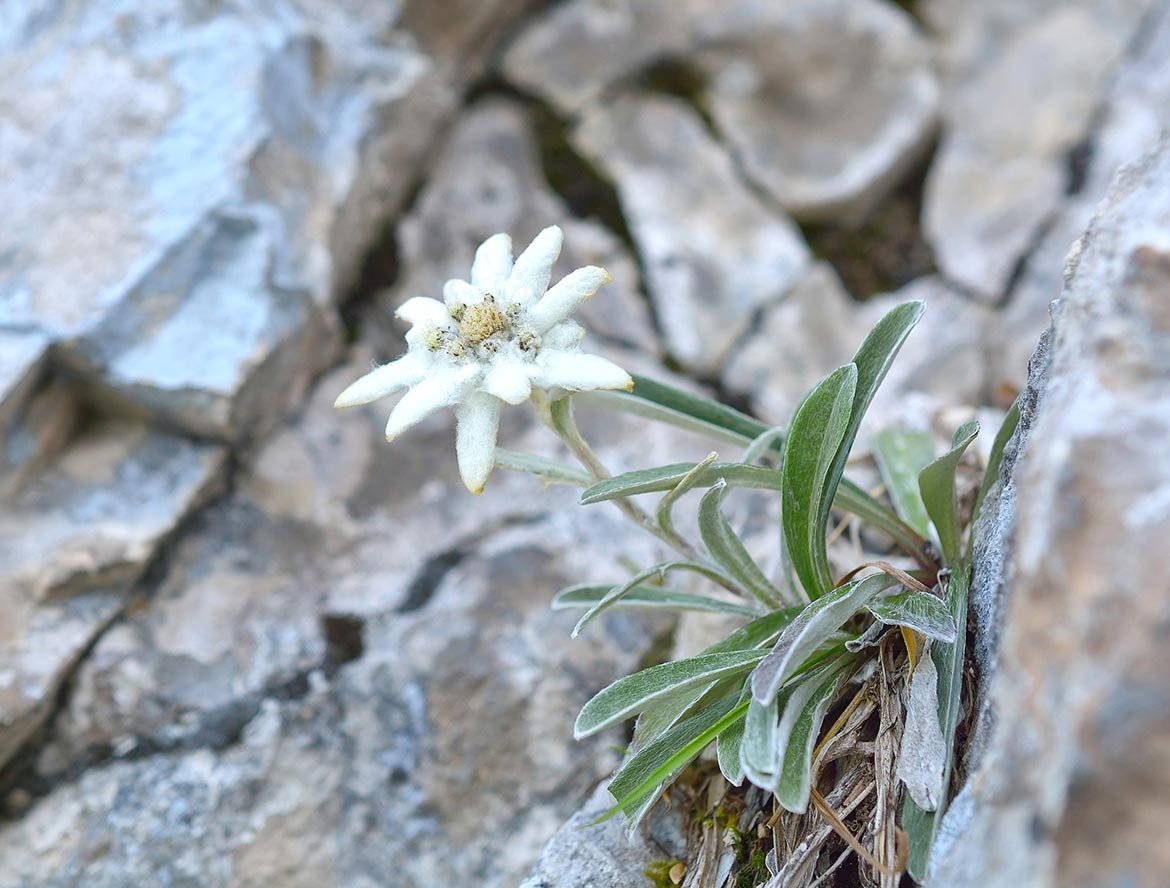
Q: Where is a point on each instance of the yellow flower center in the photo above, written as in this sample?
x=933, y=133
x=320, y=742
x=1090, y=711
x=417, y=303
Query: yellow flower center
x=482, y=321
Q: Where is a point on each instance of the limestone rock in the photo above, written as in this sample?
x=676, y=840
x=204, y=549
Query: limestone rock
x=600, y=856
x=182, y=235
x=78, y=532
x=451, y=730
x=577, y=50
x=1025, y=83
x=826, y=104
x=1071, y=787
x=819, y=326
x=711, y=252
x=488, y=179
x=1135, y=113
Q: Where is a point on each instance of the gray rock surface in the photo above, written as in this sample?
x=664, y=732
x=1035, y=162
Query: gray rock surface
x=826, y=104
x=1022, y=95
x=711, y=252
x=77, y=535
x=818, y=327
x=1070, y=789
x=181, y=234
x=1135, y=112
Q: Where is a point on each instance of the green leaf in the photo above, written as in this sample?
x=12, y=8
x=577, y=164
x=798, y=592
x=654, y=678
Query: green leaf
x=758, y=751
x=668, y=477
x=769, y=440
x=919, y=826
x=630, y=695
x=872, y=360
x=936, y=483
x=948, y=662
x=648, y=598
x=547, y=470
x=811, y=629
x=995, y=458
x=797, y=734
x=616, y=593
x=704, y=409
x=727, y=549
x=686, y=483
x=727, y=746
x=901, y=454
x=818, y=428
x=918, y=611
x=647, y=771
x=661, y=715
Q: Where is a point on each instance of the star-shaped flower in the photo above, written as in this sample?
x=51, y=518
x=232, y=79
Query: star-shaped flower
x=491, y=341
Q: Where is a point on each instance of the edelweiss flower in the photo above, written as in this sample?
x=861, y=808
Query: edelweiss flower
x=491, y=341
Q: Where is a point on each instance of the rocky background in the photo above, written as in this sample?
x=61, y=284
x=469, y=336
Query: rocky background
x=244, y=643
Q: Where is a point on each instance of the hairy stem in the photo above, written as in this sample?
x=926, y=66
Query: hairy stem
x=558, y=416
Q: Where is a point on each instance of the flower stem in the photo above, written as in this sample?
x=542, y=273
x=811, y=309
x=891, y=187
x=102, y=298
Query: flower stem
x=558, y=416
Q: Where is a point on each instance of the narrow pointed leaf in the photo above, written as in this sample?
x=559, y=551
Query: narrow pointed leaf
x=798, y=731
x=607, y=400
x=616, y=593
x=937, y=485
x=901, y=454
x=769, y=440
x=700, y=408
x=995, y=458
x=688, y=482
x=648, y=598
x=728, y=550
x=727, y=753
x=629, y=695
x=759, y=756
x=918, y=611
x=872, y=360
x=810, y=630
x=645, y=772
x=668, y=477
x=817, y=430
x=658, y=717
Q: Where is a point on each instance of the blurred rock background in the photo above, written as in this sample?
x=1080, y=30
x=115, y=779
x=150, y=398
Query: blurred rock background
x=243, y=642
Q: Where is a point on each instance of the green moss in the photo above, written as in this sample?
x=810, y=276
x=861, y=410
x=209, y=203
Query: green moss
x=754, y=872
x=659, y=873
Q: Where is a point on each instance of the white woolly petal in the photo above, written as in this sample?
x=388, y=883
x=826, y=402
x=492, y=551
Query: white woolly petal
x=578, y=372
x=509, y=381
x=430, y=395
x=533, y=268
x=565, y=336
x=457, y=292
x=493, y=264
x=566, y=297
x=477, y=421
x=422, y=311
x=383, y=381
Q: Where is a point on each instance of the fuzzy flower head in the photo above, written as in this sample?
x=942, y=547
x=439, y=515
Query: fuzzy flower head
x=489, y=342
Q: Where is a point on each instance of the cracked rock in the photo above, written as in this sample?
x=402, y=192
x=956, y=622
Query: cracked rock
x=78, y=533
x=1135, y=113
x=819, y=326
x=1025, y=82
x=1070, y=787
x=826, y=104
x=182, y=235
x=711, y=252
